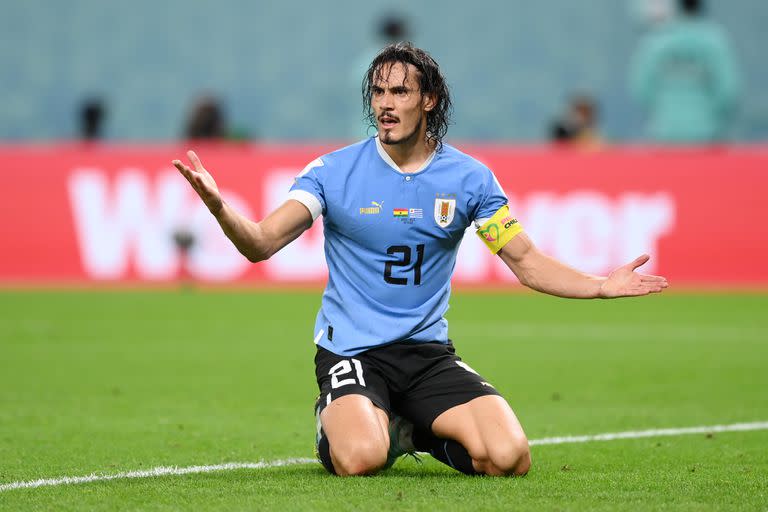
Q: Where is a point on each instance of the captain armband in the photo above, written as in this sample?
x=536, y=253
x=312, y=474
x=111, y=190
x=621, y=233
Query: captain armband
x=499, y=229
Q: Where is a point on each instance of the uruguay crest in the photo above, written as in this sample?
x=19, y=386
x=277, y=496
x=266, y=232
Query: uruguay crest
x=444, y=210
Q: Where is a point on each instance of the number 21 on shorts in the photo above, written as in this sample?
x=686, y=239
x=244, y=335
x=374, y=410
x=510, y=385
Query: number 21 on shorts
x=342, y=368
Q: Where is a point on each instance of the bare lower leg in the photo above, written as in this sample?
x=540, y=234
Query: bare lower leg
x=490, y=433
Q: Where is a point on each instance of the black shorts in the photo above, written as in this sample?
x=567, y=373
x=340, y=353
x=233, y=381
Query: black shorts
x=418, y=381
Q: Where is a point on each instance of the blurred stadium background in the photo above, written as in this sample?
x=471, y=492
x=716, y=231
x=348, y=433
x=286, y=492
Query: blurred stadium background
x=290, y=70
x=111, y=380
x=290, y=84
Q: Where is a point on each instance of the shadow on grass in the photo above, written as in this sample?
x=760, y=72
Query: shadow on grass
x=410, y=472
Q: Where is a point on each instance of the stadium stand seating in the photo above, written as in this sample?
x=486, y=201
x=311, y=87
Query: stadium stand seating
x=286, y=75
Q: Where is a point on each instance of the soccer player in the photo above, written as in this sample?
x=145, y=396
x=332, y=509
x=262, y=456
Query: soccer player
x=395, y=207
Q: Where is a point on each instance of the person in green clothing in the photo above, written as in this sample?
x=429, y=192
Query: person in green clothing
x=685, y=76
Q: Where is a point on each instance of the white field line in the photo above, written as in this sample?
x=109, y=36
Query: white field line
x=659, y=432
x=174, y=470
x=158, y=471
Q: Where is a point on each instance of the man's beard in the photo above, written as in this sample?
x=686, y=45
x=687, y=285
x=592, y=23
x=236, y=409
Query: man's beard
x=387, y=139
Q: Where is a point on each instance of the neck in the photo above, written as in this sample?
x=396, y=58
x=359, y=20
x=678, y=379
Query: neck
x=410, y=155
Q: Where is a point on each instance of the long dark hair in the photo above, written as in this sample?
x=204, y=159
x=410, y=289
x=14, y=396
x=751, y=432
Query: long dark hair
x=431, y=81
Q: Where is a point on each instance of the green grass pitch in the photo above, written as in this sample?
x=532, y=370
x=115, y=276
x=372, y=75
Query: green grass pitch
x=108, y=381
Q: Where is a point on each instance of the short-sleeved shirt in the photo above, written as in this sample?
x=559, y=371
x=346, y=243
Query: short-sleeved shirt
x=391, y=240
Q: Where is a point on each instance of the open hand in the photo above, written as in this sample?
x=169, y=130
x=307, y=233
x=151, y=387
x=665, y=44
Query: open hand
x=201, y=181
x=625, y=282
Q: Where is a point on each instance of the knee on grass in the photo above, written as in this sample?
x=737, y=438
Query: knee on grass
x=511, y=458
x=359, y=458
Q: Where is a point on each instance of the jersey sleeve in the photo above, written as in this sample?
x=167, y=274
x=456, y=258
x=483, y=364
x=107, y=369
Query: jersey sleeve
x=492, y=198
x=308, y=188
x=495, y=224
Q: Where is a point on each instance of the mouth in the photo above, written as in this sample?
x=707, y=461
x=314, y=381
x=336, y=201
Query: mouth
x=387, y=122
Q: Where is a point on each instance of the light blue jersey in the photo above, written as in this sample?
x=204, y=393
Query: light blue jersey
x=391, y=241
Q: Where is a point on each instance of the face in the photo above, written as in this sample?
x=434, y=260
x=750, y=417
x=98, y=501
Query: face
x=400, y=107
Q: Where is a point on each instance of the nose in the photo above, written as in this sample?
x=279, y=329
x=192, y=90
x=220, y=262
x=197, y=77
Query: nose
x=385, y=101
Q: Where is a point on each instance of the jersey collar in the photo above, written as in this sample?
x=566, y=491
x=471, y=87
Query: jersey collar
x=385, y=156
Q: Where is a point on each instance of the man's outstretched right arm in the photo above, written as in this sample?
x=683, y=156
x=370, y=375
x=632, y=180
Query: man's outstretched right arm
x=257, y=241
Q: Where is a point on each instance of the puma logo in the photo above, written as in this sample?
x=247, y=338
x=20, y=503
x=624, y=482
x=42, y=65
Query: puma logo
x=372, y=210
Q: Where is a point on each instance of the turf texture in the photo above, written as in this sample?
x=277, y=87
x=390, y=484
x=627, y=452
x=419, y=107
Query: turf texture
x=112, y=381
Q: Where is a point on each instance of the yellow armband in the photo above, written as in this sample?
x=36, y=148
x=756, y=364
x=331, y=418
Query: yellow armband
x=499, y=229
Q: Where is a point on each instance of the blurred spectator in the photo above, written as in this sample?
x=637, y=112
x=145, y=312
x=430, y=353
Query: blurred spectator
x=392, y=29
x=92, y=114
x=578, y=125
x=652, y=13
x=684, y=76
x=206, y=119
x=184, y=239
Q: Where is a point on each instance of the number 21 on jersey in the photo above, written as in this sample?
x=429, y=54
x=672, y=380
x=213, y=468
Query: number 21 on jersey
x=405, y=259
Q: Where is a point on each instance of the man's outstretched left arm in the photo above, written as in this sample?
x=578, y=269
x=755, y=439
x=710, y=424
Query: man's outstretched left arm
x=543, y=273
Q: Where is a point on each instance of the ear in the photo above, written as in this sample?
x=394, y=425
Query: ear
x=429, y=101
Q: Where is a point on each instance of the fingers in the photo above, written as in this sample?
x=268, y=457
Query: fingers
x=194, y=178
x=654, y=283
x=195, y=161
x=191, y=176
x=639, y=284
x=644, y=290
x=640, y=260
x=180, y=166
x=655, y=288
x=186, y=171
x=183, y=169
